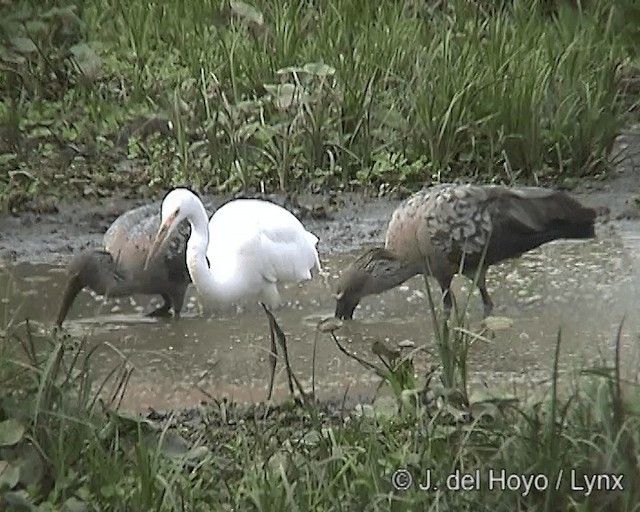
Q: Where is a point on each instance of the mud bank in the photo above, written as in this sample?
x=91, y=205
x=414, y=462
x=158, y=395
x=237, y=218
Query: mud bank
x=585, y=288
x=343, y=222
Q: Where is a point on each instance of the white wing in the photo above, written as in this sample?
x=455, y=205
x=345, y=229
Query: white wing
x=261, y=240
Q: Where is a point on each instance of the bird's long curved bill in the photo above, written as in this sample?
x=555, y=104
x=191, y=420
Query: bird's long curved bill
x=74, y=285
x=161, y=236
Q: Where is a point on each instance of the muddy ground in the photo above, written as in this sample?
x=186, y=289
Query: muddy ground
x=586, y=288
x=343, y=222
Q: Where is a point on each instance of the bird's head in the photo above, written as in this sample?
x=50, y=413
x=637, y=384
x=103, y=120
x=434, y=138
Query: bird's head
x=347, y=298
x=178, y=205
x=373, y=272
x=352, y=285
x=90, y=268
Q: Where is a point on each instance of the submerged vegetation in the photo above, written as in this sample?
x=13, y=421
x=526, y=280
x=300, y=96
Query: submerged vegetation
x=137, y=96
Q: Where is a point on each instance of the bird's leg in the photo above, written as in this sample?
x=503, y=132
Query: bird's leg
x=283, y=344
x=324, y=275
x=177, y=299
x=162, y=311
x=447, y=296
x=273, y=354
x=273, y=358
x=275, y=329
x=447, y=300
x=486, y=299
x=271, y=296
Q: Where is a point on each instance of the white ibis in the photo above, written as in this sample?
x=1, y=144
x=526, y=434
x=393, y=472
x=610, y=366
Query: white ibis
x=438, y=228
x=119, y=270
x=245, y=251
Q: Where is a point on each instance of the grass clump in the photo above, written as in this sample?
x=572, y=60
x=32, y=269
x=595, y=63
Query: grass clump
x=227, y=95
x=62, y=445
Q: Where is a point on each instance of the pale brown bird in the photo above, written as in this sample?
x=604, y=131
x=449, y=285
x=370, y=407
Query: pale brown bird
x=118, y=269
x=438, y=228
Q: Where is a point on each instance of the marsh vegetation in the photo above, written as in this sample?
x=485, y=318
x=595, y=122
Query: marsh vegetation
x=131, y=98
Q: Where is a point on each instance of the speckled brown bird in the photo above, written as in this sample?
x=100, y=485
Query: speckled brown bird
x=118, y=269
x=439, y=228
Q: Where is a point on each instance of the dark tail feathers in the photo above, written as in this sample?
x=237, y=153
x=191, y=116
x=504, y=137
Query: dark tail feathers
x=567, y=218
x=527, y=219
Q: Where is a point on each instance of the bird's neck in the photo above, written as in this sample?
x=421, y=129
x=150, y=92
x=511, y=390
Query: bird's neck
x=218, y=284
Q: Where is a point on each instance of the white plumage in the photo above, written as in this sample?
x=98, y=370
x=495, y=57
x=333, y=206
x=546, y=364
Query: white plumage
x=251, y=246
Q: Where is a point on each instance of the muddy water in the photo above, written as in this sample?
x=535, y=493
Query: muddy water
x=585, y=288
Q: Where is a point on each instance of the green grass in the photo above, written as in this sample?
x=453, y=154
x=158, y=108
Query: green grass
x=63, y=445
x=293, y=95
x=316, y=95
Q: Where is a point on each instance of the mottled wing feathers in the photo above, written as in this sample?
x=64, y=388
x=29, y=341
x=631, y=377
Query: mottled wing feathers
x=456, y=219
x=461, y=220
x=138, y=224
x=131, y=235
x=139, y=227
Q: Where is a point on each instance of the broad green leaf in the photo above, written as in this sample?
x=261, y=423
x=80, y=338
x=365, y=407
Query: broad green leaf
x=390, y=118
x=174, y=445
x=131, y=421
x=9, y=475
x=311, y=68
x=248, y=105
x=21, y=172
x=319, y=69
x=196, y=454
x=311, y=438
x=11, y=432
x=290, y=69
x=24, y=45
x=246, y=131
x=286, y=95
x=36, y=27
x=246, y=11
x=74, y=505
x=329, y=325
x=497, y=323
x=30, y=464
x=6, y=55
x=19, y=501
x=66, y=14
x=86, y=59
x=278, y=462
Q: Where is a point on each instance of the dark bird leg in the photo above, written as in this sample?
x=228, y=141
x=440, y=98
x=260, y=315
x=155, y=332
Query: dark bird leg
x=173, y=299
x=273, y=361
x=162, y=311
x=277, y=332
x=486, y=299
x=447, y=298
x=481, y=282
x=177, y=299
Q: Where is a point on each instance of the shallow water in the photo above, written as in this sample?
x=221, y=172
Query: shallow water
x=585, y=288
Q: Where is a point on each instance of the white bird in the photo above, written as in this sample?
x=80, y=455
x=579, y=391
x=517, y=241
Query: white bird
x=250, y=247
